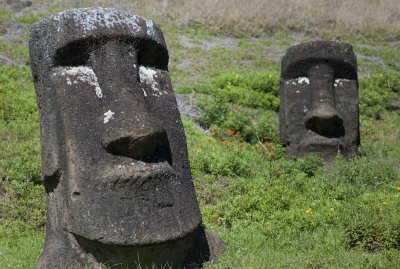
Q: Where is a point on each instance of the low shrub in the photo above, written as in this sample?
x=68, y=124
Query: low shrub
x=245, y=104
x=374, y=228
x=377, y=91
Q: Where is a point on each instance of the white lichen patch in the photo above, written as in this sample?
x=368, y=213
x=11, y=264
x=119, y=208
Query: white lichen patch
x=151, y=31
x=340, y=81
x=84, y=74
x=298, y=81
x=90, y=19
x=302, y=80
x=147, y=76
x=108, y=116
x=146, y=73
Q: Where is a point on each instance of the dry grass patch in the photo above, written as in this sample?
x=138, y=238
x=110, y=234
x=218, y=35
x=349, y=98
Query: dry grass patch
x=343, y=17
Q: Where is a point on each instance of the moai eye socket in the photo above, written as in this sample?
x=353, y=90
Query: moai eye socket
x=152, y=54
x=74, y=54
x=153, y=68
x=344, y=73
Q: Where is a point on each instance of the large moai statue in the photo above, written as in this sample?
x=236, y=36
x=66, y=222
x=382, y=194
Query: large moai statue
x=319, y=100
x=114, y=156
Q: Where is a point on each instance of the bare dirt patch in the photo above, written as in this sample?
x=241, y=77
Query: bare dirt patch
x=227, y=42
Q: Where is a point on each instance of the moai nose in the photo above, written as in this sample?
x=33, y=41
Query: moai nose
x=322, y=117
x=153, y=147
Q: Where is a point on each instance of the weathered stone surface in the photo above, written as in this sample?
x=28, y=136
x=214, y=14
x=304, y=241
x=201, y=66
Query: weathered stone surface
x=114, y=156
x=319, y=100
x=207, y=246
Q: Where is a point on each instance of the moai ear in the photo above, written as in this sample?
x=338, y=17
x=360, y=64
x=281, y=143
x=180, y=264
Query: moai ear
x=49, y=119
x=52, y=138
x=282, y=113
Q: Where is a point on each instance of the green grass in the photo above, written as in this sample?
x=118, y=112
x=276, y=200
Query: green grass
x=271, y=211
x=298, y=214
x=21, y=252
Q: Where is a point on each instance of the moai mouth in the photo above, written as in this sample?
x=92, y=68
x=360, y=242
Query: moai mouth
x=114, y=155
x=119, y=256
x=319, y=100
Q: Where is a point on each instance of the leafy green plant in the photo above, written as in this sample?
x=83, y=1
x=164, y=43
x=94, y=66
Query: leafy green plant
x=233, y=101
x=374, y=229
x=377, y=92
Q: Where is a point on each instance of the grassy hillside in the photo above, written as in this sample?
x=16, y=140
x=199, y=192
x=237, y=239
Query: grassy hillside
x=271, y=211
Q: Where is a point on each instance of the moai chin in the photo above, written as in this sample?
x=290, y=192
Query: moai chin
x=319, y=100
x=114, y=157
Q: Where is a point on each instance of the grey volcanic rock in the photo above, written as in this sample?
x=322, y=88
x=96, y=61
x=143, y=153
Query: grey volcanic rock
x=114, y=156
x=319, y=100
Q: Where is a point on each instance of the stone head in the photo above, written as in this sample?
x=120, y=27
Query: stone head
x=114, y=157
x=319, y=100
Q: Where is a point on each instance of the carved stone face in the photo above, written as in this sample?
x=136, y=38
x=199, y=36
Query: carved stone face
x=114, y=154
x=319, y=99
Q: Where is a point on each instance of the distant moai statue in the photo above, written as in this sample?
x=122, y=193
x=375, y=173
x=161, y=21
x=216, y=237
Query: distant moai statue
x=114, y=156
x=319, y=100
